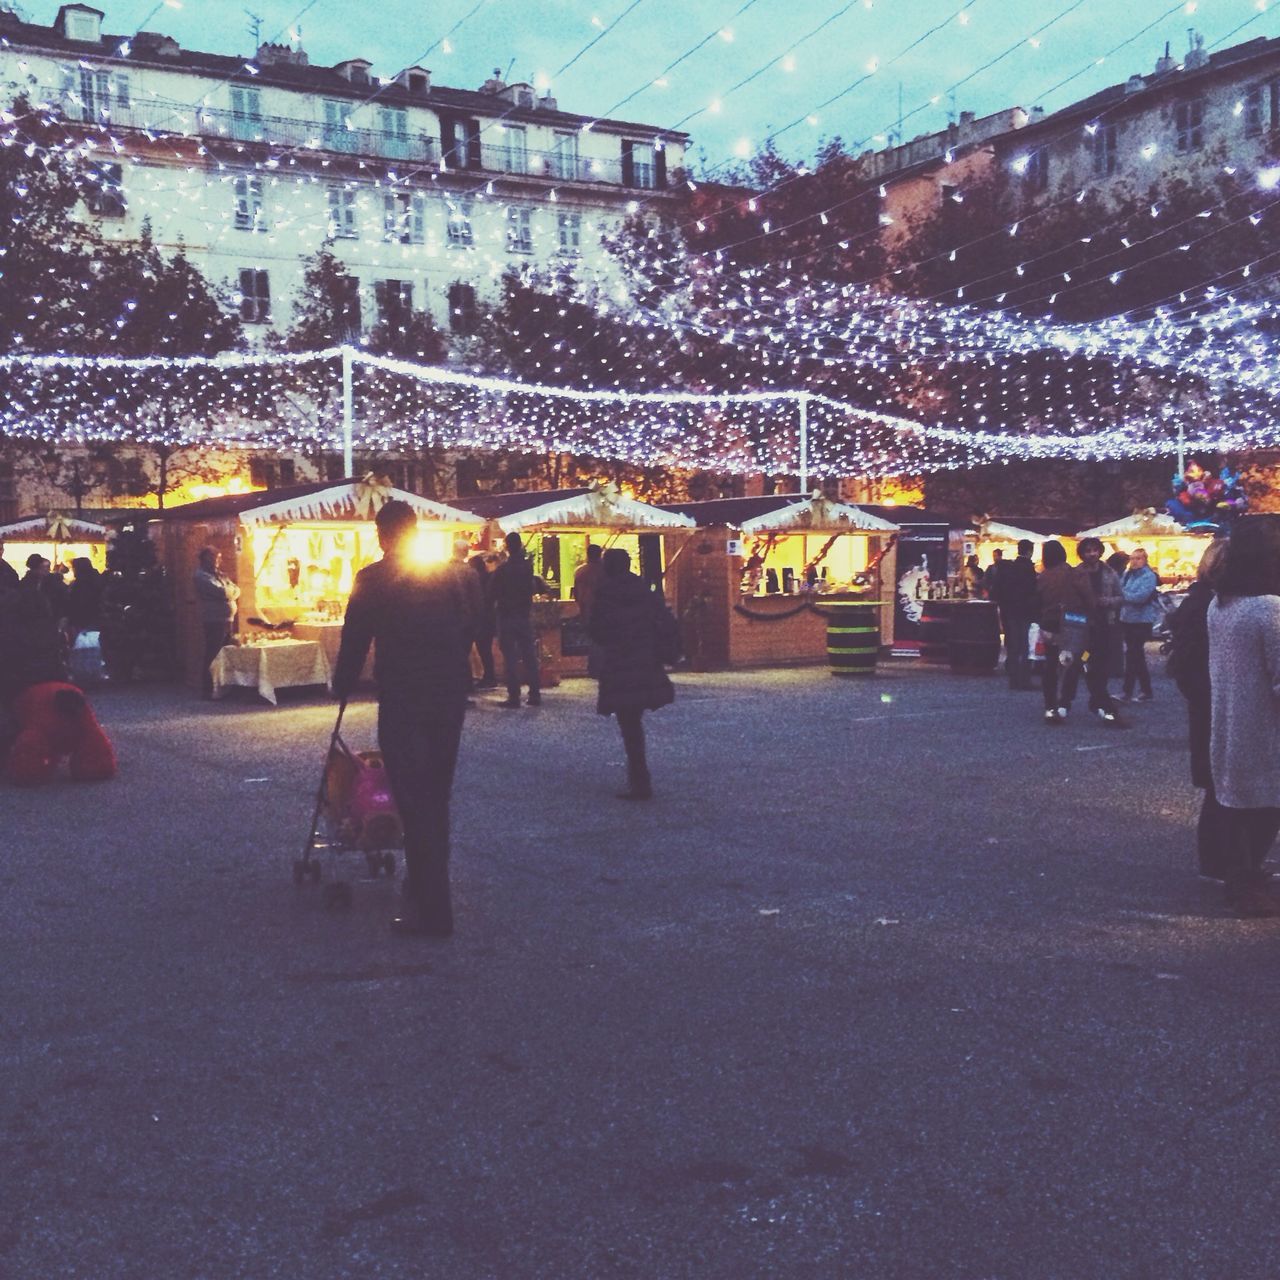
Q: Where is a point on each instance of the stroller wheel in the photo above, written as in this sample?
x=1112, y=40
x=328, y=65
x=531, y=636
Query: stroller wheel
x=336, y=897
x=389, y=863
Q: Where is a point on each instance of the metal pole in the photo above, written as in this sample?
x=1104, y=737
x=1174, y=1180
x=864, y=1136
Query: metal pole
x=1182, y=450
x=348, y=413
x=804, y=444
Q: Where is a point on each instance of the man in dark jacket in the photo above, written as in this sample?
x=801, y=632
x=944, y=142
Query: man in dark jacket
x=1015, y=597
x=626, y=622
x=8, y=574
x=420, y=620
x=514, y=586
x=1105, y=597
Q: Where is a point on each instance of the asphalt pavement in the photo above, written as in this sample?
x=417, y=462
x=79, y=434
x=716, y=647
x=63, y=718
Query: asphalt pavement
x=889, y=980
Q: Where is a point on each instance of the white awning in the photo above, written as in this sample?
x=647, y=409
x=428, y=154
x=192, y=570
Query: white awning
x=52, y=528
x=360, y=501
x=601, y=507
x=817, y=515
x=1145, y=524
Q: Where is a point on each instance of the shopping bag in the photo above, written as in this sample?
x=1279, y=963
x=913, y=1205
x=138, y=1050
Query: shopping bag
x=85, y=659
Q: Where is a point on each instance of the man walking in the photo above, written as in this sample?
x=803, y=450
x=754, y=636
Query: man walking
x=419, y=617
x=1106, y=597
x=514, y=585
x=216, y=595
x=1016, y=602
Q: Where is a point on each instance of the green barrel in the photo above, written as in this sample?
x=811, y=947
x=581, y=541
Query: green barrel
x=853, y=636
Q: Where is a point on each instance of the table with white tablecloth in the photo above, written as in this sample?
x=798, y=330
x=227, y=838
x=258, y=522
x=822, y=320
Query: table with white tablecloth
x=278, y=664
x=328, y=635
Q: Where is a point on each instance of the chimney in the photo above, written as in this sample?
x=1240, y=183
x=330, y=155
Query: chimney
x=281, y=55
x=152, y=44
x=1166, y=64
x=547, y=103
x=1196, y=56
x=495, y=84
x=1134, y=84
x=79, y=22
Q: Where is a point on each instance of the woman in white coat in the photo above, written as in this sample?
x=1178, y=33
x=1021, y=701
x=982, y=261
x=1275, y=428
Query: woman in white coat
x=1244, y=671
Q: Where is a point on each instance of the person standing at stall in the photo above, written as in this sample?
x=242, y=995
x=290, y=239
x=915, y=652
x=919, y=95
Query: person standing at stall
x=1014, y=593
x=586, y=582
x=1244, y=677
x=627, y=622
x=1138, y=615
x=419, y=619
x=216, y=595
x=514, y=586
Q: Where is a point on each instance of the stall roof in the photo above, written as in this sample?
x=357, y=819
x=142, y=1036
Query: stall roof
x=782, y=512
x=37, y=529
x=324, y=500
x=1015, y=528
x=601, y=506
x=1145, y=524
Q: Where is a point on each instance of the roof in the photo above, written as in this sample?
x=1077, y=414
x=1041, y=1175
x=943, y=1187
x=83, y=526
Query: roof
x=302, y=78
x=324, y=500
x=601, y=506
x=1177, y=81
x=1015, y=528
x=36, y=528
x=1145, y=524
x=782, y=512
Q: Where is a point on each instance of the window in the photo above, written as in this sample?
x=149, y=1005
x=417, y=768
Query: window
x=1262, y=109
x=394, y=124
x=1105, y=154
x=462, y=308
x=342, y=214
x=104, y=194
x=419, y=82
x=395, y=302
x=564, y=155
x=517, y=149
x=1038, y=170
x=1189, y=118
x=255, y=296
x=570, y=225
x=519, y=229
x=638, y=168
x=337, y=134
x=269, y=473
x=250, y=208
x=246, y=114
x=92, y=94
x=460, y=142
x=461, y=235
x=404, y=217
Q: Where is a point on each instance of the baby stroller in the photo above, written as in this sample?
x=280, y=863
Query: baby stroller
x=358, y=814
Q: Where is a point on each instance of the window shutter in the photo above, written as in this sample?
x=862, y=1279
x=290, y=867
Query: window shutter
x=628, y=163
x=419, y=215
x=659, y=165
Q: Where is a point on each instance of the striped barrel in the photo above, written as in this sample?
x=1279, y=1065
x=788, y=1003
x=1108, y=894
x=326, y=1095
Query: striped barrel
x=853, y=636
x=935, y=632
x=974, y=646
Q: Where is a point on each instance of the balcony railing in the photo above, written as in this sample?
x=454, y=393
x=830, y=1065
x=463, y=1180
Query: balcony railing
x=159, y=117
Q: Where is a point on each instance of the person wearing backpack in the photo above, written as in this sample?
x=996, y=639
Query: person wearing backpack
x=630, y=622
x=1188, y=664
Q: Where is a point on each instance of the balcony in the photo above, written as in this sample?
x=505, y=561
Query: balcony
x=157, y=117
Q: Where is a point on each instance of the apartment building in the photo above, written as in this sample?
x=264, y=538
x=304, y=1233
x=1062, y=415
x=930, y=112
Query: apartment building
x=428, y=194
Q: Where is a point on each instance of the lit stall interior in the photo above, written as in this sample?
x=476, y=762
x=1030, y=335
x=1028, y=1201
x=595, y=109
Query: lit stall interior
x=60, y=540
x=1173, y=552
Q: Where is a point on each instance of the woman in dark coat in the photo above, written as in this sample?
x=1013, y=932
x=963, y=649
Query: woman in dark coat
x=627, y=621
x=1189, y=666
x=84, y=597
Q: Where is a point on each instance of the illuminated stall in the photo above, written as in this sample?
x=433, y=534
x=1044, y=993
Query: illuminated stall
x=1173, y=551
x=556, y=526
x=294, y=553
x=750, y=583
x=1004, y=534
x=60, y=539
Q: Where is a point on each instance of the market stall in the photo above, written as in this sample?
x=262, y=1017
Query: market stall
x=556, y=525
x=59, y=538
x=995, y=533
x=1173, y=551
x=294, y=553
x=754, y=585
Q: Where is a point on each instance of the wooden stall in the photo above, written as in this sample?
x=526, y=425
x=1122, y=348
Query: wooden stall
x=1004, y=533
x=1174, y=552
x=556, y=525
x=749, y=583
x=59, y=538
x=294, y=553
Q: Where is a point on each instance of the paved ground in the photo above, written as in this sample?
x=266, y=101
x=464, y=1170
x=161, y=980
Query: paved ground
x=890, y=981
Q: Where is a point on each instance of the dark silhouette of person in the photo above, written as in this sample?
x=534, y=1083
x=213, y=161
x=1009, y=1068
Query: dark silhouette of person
x=8, y=574
x=486, y=627
x=216, y=597
x=85, y=597
x=419, y=619
x=626, y=617
x=1015, y=599
x=514, y=586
